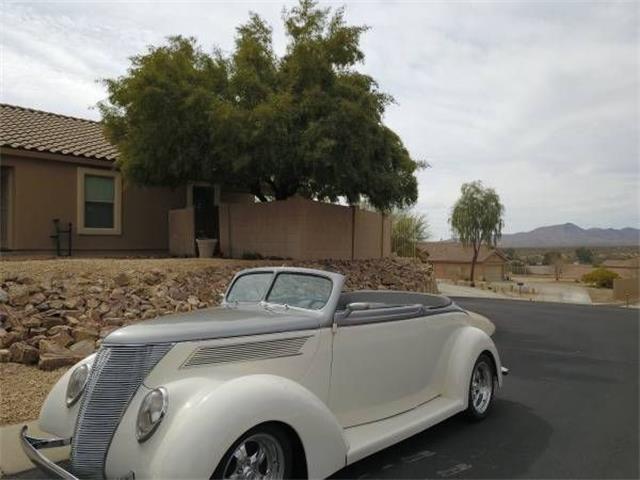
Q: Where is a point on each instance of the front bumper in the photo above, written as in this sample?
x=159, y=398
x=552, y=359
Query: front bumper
x=31, y=447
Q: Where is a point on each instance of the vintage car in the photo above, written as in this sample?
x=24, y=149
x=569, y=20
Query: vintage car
x=290, y=377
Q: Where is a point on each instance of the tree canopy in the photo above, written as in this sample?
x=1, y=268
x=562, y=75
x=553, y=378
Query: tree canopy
x=408, y=229
x=305, y=123
x=476, y=218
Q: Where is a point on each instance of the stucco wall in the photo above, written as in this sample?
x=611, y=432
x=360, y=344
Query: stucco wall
x=492, y=271
x=302, y=229
x=47, y=189
x=626, y=289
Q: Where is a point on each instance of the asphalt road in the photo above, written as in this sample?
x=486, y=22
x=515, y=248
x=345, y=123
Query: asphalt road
x=568, y=409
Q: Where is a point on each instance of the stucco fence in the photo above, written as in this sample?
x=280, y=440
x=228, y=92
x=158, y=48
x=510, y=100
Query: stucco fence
x=626, y=289
x=303, y=229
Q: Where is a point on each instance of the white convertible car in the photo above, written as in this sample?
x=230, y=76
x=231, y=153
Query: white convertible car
x=288, y=378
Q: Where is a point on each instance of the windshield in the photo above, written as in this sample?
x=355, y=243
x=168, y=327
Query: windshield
x=300, y=290
x=250, y=288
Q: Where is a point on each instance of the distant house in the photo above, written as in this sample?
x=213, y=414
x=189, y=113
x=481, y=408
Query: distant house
x=55, y=167
x=453, y=261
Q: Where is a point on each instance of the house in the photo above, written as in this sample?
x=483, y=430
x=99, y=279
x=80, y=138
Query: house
x=59, y=175
x=452, y=260
x=58, y=172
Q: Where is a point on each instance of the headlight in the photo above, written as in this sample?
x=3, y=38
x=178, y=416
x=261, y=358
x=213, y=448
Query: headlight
x=77, y=382
x=151, y=413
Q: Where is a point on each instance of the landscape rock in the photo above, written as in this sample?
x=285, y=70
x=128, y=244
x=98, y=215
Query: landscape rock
x=122, y=279
x=50, y=361
x=83, y=348
x=84, y=333
x=18, y=295
x=64, y=315
x=23, y=353
x=62, y=338
x=5, y=355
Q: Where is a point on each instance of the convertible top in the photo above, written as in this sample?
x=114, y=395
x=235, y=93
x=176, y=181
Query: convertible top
x=392, y=298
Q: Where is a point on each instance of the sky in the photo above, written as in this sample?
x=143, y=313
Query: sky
x=538, y=100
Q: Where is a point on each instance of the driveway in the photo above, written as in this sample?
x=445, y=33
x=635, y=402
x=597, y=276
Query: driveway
x=569, y=408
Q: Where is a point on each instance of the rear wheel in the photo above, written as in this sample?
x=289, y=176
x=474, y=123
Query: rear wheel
x=481, y=388
x=263, y=452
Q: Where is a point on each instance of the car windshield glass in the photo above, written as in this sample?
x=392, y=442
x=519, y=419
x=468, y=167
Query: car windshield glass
x=300, y=290
x=250, y=288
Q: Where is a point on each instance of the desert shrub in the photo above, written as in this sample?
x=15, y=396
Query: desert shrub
x=600, y=277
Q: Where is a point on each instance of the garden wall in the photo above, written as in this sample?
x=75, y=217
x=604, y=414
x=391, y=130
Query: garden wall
x=303, y=229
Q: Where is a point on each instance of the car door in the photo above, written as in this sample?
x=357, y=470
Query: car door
x=383, y=367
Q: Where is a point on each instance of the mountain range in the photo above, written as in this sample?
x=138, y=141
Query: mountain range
x=571, y=235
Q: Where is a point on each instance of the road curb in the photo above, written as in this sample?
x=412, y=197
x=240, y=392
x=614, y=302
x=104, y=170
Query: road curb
x=12, y=458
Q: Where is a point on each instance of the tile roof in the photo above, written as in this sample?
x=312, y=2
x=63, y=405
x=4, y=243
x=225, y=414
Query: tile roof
x=455, y=252
x=38, y=131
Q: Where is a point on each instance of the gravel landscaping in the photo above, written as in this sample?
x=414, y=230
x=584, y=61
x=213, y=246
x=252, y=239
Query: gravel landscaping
x=55, y=312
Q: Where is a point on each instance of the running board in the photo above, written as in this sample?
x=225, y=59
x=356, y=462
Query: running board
x=364, y=440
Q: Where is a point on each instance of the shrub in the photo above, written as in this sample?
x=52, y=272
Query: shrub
x=600, y=277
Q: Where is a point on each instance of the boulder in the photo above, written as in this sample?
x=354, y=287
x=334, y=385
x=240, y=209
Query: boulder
x=8, y=338
x=23, y=353
x=83, y=348
x=4, y=296
x=62, y=338
x=50, y=361
x=37, y=298
x=59, y=328
x=18, y=295
x=5, y=355
x=122, y=280
x=84, y=333
x=49, y=346
x=52, y=321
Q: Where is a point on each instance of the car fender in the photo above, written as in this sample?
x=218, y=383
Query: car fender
x=465, y=348
x=55, y=417
x=206, y=416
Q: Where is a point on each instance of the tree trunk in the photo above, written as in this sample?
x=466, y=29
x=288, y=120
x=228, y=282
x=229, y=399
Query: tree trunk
x=476, y=251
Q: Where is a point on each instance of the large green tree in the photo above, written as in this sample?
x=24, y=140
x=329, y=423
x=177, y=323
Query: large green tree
x=476, y=218
x=306, y=122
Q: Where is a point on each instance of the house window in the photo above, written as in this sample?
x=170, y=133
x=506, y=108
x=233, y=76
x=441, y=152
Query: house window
x=98, y=202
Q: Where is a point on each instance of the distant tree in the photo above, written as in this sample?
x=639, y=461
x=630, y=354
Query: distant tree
x=584, y=255
x=510, y=253
x=600, y=277
x=408, y=228
x=306, y=123
x=476, y=218
x=556, y=260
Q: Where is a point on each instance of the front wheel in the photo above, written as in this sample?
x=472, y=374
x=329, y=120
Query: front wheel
x=263, y=452
x=481, y=388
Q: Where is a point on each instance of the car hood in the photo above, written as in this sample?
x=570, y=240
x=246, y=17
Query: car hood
x=219, y=322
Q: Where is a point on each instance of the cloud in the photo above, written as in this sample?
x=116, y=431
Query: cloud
x=536, y=99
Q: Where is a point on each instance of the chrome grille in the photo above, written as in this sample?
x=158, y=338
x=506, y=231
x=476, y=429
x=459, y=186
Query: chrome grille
x=245, y=352
x=116, y=375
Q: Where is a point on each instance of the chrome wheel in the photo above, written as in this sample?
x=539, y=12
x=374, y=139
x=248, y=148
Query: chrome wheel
x=259, y=456
x=481, y=387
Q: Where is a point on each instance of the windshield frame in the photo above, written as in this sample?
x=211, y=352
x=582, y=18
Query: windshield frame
x=274, y=274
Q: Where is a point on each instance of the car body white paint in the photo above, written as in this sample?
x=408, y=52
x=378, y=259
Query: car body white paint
x=352, y=390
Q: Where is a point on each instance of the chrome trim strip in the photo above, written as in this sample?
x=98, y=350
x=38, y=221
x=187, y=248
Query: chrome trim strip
x=30, y=447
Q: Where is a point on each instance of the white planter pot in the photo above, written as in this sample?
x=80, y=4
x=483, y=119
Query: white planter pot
x=206, y=247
